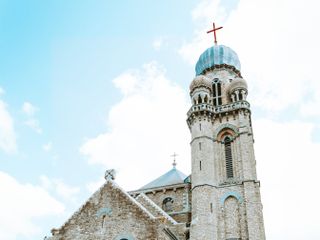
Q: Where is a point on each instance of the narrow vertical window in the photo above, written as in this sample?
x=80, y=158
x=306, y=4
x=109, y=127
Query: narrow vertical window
x=103, y=220
x=211, y=208
x=216, y=90
x=206, y=99
x=200, y=165
x=200, y=126
x=240, y=96
x=228, y=155
x=200, y=146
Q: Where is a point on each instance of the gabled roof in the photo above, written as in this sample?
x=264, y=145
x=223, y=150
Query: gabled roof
x=174, y=176
x=114, y=186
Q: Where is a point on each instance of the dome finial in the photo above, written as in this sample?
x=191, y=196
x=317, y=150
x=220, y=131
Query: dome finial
x=174, y=155
x=214, y=29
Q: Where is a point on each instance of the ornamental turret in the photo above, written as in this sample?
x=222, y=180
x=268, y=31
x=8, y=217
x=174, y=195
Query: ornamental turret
x=225, y=191
x=237, y=90
x=201, y=90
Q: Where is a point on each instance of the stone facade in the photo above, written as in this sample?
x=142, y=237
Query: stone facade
x=111, y=213
x=180, y=193
x=220, y=200
x=226, y=200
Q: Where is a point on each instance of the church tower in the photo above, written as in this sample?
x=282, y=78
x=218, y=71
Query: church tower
x=226, y=201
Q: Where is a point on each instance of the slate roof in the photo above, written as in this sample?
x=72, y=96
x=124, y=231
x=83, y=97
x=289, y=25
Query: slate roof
x=174, y=176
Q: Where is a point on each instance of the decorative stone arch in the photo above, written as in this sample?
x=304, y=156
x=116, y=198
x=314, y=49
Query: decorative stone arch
x=232, y=216
x=231, y=194
x=199, y=98
x=124, y=237
x=228, y=128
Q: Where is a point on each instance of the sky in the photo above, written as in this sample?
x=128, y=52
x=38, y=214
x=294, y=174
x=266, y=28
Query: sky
x=87, y=86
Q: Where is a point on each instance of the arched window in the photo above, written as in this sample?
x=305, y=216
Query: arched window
x=240, y=96
x=216, y=90
x=167, y=204
x=199, y=99
x=232, y=218
x=228, y=155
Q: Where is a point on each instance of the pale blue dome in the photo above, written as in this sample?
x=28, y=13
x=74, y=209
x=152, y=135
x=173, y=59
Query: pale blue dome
x=217, y=55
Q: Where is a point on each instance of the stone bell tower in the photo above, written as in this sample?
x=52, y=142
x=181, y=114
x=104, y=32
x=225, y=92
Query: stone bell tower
x=226, y=200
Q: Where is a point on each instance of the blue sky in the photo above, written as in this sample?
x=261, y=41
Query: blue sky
x=91, y=85
x=61, y=57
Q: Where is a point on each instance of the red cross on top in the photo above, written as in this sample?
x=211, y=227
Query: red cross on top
x=214, y=29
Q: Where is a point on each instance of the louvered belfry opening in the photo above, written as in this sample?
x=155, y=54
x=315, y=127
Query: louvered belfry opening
x=228, y=154
x=216, y=90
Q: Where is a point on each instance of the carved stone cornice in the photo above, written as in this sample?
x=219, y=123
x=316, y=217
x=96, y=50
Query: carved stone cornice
x=210, y=112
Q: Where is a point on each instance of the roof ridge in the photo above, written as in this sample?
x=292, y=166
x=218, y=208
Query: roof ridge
x=81, y=207
x=158, y=209
x=132, y=199
x=116, y=186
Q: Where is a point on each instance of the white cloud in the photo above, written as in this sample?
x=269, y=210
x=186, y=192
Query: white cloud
x=288, y=169
x=159, y=42
x=2, y=91
x=32, y=122
x=63, y=190
x=29, y=109
x=207, y=11
x=47, y=147
x=95, y=185
x=203, y=15
x=7, y=132
x=20, y=204
x=278, y=47
x=145, y=128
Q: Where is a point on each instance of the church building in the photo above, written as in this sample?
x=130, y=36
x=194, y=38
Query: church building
x=219, y=200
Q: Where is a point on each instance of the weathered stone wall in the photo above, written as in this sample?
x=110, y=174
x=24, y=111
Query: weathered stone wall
x=181, y=205
x=110, y=214
x=203, y=217
x=177, y=195
x=181, y=217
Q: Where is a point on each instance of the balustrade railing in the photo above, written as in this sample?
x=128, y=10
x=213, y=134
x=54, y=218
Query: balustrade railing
x=219, y=109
